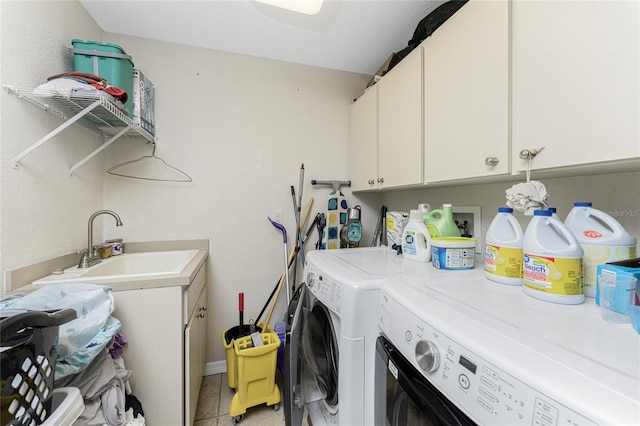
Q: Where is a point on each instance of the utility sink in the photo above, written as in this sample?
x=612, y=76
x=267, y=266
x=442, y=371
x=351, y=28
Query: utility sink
x=125, y=266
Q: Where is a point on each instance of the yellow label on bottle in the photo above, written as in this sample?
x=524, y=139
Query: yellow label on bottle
x=553, y=275
x=503, y=261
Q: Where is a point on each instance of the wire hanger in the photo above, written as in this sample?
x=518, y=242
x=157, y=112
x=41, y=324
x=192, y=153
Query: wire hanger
x=150, y=162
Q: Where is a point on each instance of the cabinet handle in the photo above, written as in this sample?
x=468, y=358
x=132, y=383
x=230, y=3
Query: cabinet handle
x=529, y=154
x=491, y=161
x=380, y=180
x=371, y=181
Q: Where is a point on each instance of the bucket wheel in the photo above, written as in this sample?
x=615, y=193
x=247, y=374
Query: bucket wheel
x=237, y=419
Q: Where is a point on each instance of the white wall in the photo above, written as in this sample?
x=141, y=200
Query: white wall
x=44, y=212
x=241, y=127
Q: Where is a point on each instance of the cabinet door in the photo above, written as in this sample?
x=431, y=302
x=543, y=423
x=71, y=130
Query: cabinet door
x=195, y=338
x=152, y=323
x=466, y=94
x=400, y=123
x=363, y=141
x=576, y=88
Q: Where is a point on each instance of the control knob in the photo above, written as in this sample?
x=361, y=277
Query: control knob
x=427, y=356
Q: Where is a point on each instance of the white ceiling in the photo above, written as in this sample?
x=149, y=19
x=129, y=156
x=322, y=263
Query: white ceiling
x=353, y=35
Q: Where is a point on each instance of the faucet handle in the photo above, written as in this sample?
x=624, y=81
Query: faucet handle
x=82, y=252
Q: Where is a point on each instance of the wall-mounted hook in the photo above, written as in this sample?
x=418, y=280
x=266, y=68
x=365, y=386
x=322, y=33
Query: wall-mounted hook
x=529, y=154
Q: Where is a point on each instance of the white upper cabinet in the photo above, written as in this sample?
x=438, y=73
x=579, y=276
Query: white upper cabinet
x=466, y=94
x=400, y=123
x=576, y=82
x=363, y=141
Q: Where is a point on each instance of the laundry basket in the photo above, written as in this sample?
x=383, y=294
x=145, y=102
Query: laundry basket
x=28, y=357
x=256, y=369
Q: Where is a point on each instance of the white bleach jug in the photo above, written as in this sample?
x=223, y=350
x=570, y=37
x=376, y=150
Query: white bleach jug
x=602, y=238
x=503, y=249
x=552, y=261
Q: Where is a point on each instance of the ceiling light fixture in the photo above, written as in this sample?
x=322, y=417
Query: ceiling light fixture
x=307, y=7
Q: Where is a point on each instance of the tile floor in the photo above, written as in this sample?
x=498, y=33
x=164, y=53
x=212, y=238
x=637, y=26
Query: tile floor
x=215, y=399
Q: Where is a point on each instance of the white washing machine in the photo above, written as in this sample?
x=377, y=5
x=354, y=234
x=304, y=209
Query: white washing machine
x=492, y=355
x=331, y=333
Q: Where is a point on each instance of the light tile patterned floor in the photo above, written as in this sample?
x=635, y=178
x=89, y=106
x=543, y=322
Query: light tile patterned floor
x=215, y=399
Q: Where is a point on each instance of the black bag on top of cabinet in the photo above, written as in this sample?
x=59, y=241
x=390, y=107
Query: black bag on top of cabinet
x=434, y=20
x=426, y=27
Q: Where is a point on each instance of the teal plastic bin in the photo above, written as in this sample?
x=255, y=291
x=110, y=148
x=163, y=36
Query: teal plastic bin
x=106, y=60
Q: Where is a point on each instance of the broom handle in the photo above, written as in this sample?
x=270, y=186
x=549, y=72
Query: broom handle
x=291, y=254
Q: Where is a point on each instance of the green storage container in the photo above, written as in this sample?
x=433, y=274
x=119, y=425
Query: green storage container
x=106, y=60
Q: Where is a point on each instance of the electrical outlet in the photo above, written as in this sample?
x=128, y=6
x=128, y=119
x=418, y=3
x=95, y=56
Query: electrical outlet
x=277, y=216
x=470, y=223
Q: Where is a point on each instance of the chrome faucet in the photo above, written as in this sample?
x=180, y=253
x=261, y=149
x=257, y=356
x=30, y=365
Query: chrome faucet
x=90, y=255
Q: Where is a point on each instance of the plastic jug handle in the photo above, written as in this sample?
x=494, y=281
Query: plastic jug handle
x=568, y=235
x=434, y=214
x=608, y=220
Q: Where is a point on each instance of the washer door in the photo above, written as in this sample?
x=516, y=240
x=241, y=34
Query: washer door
x=320, y=352
x=293, y=401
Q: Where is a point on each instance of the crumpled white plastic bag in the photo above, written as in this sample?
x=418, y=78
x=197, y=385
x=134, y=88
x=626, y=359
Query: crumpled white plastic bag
x=527, y=197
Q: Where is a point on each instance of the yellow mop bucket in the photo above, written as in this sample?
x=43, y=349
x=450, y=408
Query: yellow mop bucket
x=228, y=337
x=255, y=374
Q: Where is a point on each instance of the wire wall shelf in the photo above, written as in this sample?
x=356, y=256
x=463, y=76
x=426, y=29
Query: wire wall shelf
x=90, y=108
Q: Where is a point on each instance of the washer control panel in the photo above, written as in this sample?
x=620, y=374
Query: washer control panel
x=324, y=288
x=485, y=392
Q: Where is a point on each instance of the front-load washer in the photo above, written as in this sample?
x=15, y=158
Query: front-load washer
x=331, y=333
x=461, y=349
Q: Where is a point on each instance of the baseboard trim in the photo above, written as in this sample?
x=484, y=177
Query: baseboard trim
x=216, y=367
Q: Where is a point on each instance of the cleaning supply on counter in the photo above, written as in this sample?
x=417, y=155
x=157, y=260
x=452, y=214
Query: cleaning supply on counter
x=453, y=253
x=602, y=238
x=440, y=222
x=554, y=213
x=424, y=208
x=416, y=244
x=503, y=249
x=396, y=221
x=552, y=256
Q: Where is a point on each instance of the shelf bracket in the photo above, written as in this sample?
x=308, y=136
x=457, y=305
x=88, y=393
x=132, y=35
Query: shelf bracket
x=97, y=151
x=57, y=130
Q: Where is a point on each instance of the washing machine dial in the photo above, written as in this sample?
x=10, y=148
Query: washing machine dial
x=427, y=356
x=311, y=279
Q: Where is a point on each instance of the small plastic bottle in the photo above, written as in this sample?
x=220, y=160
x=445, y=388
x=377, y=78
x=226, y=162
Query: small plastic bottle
x=552, y=256
x=503, y=249
x=416, y=243
x=602, y=238
x=440, y=222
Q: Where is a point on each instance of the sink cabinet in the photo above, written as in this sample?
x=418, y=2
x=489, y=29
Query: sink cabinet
x=166, y=332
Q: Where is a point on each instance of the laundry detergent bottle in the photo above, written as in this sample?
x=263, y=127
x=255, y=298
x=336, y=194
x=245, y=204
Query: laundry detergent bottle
x=552, y=261
x=503, y=249
x=416, y=242
x=440, y=222
x=602, y=238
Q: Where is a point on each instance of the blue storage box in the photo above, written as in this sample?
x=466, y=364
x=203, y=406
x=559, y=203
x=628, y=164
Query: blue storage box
x=621, y=272
x=106, y=60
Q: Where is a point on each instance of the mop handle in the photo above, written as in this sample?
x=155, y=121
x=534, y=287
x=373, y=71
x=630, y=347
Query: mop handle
x=241, y=310
x=281, y=228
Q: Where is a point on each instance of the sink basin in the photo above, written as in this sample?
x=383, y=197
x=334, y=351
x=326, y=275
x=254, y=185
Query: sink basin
x=128, y=265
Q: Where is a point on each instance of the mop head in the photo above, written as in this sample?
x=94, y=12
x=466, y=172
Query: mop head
x=527, y=197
